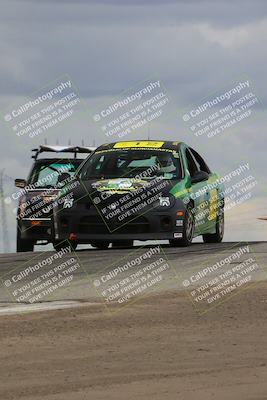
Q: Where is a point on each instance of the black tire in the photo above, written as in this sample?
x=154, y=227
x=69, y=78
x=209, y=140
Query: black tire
x=101, y=245
x=216, y=237
x=122, y=244
x=64, y=245
x=188, y=229
x=23, y=245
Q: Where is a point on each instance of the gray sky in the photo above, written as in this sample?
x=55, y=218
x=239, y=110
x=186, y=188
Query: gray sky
x=195, y=47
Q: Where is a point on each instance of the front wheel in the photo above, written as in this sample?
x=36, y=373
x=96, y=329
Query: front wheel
x=188, y=229
x=23, y=245
x=216, y=237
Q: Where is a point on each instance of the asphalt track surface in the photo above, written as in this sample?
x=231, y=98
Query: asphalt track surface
x=80, y=347
x=94, y=265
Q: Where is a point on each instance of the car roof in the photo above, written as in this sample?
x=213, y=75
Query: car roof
x=59, y=160
x=142, y=144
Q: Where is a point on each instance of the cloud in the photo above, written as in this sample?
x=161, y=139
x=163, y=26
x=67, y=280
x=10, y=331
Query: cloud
x=234, y=37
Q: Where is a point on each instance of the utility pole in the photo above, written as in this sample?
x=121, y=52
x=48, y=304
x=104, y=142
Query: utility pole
x=5, y=239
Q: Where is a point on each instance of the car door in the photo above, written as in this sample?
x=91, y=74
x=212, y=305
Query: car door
x=211, y=195
x=199, y=194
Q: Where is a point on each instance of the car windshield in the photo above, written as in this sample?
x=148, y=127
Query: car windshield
x=51, y=175
x=142, y=164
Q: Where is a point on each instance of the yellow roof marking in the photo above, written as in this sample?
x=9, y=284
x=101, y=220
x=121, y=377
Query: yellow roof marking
x=151, y=144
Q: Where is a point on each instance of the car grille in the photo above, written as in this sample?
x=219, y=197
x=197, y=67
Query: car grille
x=95, y=224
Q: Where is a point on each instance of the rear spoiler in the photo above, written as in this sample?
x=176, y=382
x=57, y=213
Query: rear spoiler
x=62, y=149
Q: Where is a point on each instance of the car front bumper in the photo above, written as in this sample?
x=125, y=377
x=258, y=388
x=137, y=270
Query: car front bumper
x=89, y=226
x=36, y=230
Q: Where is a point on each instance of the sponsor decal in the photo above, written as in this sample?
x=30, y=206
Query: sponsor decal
x=164, y=201
x=118, y=185
x=68, y=203
x=177, y=235
x=150, y=144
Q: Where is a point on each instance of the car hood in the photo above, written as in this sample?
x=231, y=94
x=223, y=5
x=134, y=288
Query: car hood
x=118, y=186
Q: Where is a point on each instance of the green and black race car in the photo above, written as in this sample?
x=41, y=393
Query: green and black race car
x=141, y=190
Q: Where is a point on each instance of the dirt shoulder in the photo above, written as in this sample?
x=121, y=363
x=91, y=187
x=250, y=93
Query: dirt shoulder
x=159, y=348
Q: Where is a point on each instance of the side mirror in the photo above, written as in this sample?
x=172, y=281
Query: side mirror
x=199, y=176
x=20, y=183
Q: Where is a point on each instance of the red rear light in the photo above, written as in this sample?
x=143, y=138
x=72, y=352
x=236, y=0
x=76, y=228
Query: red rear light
x=73, y=236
